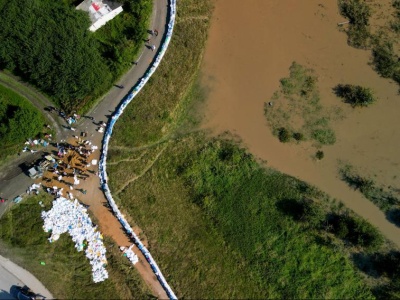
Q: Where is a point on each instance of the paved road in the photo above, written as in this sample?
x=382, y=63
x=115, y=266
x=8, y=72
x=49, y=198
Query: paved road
x=14, y=182
x=12, y=274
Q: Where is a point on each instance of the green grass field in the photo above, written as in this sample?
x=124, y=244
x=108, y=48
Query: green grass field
x=24, y=241
x=212, y=206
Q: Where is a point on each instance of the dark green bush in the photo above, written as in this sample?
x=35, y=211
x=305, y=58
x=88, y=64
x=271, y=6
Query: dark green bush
x=355, y=95
x=19, y=120
x=305, y=210
x=355, y=230
x=319, y=155
x=385, y=60
x=358, y=13
x=283, y=135
x=298, y=136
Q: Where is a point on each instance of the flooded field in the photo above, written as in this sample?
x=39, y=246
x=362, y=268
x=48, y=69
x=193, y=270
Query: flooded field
x=251, y=46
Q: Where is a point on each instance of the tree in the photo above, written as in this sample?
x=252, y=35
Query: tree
x=319, y=155
x=355, y=95
x=283, y=135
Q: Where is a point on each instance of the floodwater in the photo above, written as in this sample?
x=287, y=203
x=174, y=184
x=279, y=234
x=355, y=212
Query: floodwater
x=251, y=46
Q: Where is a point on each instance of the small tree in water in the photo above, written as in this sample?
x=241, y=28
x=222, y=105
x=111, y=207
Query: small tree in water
x=319, y=155
x=355, y=95
x=283, y=135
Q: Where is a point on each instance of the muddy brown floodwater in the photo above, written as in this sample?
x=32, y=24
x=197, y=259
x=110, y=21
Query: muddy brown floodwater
x=251, y=46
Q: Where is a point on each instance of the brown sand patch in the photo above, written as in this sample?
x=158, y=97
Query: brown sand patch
x=251, y=46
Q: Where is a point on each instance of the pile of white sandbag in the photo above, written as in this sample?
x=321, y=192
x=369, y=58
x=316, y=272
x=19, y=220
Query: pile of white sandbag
x=130, y=254
x=72, y=217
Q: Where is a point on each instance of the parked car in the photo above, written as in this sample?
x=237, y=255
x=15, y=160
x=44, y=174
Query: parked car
x=35, y=172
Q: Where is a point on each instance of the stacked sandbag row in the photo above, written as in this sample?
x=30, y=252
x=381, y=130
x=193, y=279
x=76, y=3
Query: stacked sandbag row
x=106, y=139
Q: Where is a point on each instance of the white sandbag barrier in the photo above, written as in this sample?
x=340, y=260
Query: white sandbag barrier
x=72, y=217
x=106, y=139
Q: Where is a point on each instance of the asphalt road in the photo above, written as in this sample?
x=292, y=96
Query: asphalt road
x=12, y=274
x=14, y=182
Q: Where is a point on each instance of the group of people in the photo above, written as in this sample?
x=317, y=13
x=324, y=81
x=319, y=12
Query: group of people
x=153, y=32
x=71, y=168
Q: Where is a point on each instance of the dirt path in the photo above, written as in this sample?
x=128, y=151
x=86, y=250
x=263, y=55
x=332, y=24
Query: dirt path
x=251, y=46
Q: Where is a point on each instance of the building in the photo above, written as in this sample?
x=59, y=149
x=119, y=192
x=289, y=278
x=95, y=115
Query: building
x=100, y=11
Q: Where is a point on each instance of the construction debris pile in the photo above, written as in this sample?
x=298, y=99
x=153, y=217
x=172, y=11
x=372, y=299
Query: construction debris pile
x=72, y=217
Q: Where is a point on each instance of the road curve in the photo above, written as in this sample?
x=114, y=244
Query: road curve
x=12, y=274
x=106, y=106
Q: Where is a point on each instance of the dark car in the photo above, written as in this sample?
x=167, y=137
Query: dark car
x=23, y=293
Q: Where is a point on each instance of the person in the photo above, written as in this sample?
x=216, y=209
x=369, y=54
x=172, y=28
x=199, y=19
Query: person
x=153, y=47
x=155, y=32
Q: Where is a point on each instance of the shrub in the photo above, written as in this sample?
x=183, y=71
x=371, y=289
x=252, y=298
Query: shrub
x=356, y=231
x=355, y=95
x=19, y=120
x=305, y=210
x=319, y=155
x=385, y=61
x=393, y=215
x=298, y=136
x=283, y=135
x=324, y=136
x=358, y=13
x=396, y=4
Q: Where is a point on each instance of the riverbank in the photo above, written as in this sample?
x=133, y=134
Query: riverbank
x=243, y=64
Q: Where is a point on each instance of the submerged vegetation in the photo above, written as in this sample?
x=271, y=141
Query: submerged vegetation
x=382, y=39
x=358, y=13
x=355, y=95
x=384, y=198
x=295, y=111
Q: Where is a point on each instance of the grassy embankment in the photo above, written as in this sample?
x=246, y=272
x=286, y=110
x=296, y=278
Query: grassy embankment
x=19, y=121
x=218, y=224
x=295, y=112
x=66, y=273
